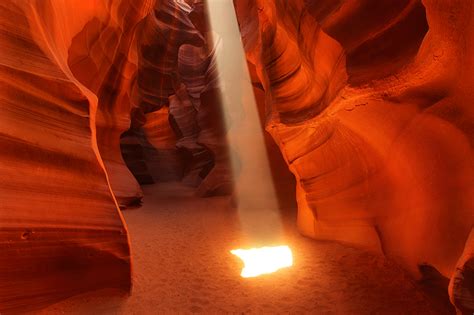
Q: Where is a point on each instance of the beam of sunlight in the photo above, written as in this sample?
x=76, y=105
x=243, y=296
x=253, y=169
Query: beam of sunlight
x=257, y=201
x=265, y=260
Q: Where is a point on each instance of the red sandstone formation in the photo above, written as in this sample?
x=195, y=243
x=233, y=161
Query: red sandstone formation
x=370, y=103
x=74, y=78
x=179, y=76
x=61, y=232
x=103, y=57
x=375, y=121
x=164, y=161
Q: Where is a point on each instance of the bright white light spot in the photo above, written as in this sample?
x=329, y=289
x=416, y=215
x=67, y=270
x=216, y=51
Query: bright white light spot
x=264, y=260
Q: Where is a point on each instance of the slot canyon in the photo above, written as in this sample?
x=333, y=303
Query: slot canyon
x=149, y=148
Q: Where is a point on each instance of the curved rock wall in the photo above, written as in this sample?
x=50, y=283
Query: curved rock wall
x=102, y=56
x=176, y=71
x=368, y=101
x=163, y=158
x=60, y=225
x=76, y=76
x=373, y=116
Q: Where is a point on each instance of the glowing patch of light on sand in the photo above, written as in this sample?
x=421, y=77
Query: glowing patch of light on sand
x=264, y=260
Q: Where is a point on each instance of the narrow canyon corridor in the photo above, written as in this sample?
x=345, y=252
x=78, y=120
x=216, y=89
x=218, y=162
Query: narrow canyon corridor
x=236, y=156
x=182, y=264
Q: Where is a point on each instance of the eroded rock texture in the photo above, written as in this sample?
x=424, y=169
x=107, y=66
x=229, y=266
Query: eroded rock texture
x=102, y=56
x=371, y=105
x=177, y=74
x=84, y=85
x=63, y=107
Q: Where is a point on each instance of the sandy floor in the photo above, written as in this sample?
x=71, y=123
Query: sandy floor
x=182, y=264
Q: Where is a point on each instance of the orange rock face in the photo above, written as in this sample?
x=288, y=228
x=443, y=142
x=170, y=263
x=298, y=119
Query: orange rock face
x=75, y=76
x=369, y=102
x=373, y=114
x=63, y=67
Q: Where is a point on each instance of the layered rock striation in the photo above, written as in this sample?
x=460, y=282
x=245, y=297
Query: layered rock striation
x=372, y=113
x=60, y=225
x=369, y=102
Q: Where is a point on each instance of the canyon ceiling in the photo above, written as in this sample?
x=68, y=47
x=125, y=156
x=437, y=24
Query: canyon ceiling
x=370, y=103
